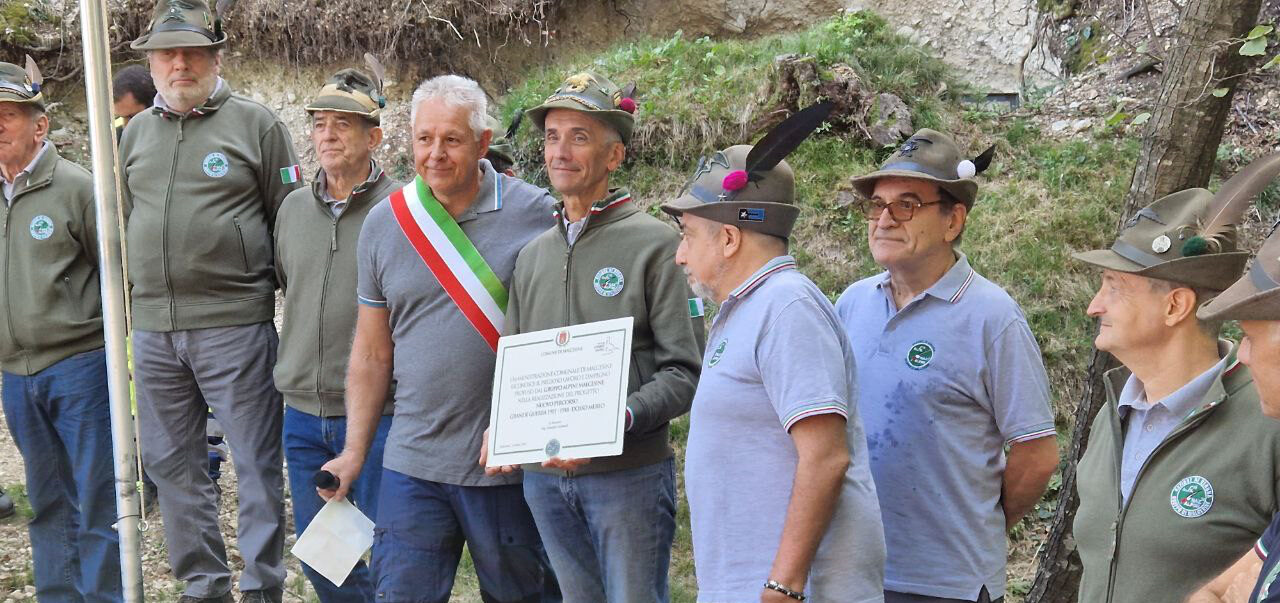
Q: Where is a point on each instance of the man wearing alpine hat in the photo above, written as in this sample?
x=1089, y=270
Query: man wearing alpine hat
x=51, y=358
x=782, y=502
x=315, y=236
x=204, y=172
x=950, y=377
x=1254, y=300
x=608, y=523
x=1181, y=474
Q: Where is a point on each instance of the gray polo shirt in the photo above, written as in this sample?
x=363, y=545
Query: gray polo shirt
x=1147, y=424
x=947, y=382
x=775, y=355
x=443, y=368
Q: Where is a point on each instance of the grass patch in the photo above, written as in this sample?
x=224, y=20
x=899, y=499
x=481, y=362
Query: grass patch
x=699, y=94
x=18, y=494
x=18, y=21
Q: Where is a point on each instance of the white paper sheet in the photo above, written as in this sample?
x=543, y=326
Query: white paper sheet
x=335, y=540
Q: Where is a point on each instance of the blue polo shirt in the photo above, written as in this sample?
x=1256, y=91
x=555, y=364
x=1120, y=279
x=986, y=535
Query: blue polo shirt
x=946, y=383
x=775, y=356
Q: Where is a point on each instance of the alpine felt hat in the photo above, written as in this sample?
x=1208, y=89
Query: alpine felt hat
x=933, y=156
x=751, y=186
x=766, y=204
x=593, y=94
x=350, y=91
x=18, y=85
x=183, y=24
x=1190, y=236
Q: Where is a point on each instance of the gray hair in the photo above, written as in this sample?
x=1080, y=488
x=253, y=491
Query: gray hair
x=456, y=91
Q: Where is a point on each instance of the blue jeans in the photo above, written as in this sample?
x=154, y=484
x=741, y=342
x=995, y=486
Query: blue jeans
x=309, y=443
x=422, y=526
x=60, y=418
x=608, y=534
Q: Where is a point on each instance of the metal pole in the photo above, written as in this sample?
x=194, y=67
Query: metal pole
x=97, y=72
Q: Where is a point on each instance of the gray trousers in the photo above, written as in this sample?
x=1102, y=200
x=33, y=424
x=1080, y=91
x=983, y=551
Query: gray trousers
x=178, y=377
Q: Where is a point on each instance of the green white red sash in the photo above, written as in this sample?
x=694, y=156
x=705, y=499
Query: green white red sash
x=452, y=258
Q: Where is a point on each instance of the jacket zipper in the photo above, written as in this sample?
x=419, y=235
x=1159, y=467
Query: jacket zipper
x=568, y=259
x=8, y=307
x=8, y=209
x=568, y=289
x=244, y=255
x=164, y=231
x=324, y=287
x=1124, y=510
x=66, y=288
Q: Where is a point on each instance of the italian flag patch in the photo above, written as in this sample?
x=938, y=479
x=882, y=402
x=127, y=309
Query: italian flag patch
x=696, y=308
x=291, y=174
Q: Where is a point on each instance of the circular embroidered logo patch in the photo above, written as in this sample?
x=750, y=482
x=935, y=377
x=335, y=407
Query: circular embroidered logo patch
x=553, y=447
x=920, y=355
x=41, y=227
x=608, y=281
x=1192, y=496
x=717, y=353
x=215, y=165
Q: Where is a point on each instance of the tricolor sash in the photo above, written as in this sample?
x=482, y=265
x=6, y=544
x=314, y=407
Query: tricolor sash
x=452, y=258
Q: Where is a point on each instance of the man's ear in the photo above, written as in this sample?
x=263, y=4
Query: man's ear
x=1180, y=305
x=42, y=125
x=617, y=153
x=955, y=222
x=732, y=239
x=375, y=137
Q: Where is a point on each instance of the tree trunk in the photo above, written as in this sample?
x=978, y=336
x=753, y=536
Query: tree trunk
x=1058, y=575
x=1178, y=152
x=1181, y=139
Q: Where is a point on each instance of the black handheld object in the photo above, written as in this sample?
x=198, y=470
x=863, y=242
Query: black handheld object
x=326, y=481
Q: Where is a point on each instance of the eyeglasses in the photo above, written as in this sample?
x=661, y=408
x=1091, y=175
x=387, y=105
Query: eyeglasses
x=900, y=211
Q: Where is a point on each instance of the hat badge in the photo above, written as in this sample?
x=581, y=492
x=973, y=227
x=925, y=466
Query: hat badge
x=1161, y=244
x=578, y=83
x=175, y=10
x=911, y=146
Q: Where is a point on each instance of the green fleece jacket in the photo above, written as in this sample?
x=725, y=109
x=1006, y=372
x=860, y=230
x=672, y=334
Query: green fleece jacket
x=52, y=305
x=621, y=264
x=1201, y=500
x=201, y=192
x=316, y=267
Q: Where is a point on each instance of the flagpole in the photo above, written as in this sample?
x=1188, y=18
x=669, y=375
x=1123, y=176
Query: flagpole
x=97, y=72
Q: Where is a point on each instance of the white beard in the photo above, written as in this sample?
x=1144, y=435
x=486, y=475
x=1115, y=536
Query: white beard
x=702, y=290
x=189, y=96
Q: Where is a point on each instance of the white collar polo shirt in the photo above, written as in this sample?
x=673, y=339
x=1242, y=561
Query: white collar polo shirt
x=775, y=356
x=946, y=383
